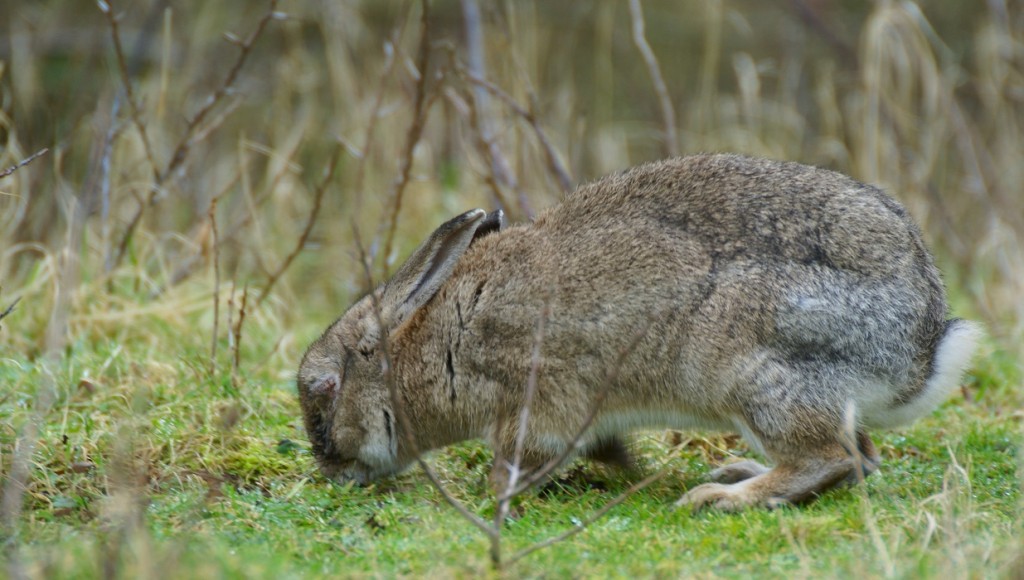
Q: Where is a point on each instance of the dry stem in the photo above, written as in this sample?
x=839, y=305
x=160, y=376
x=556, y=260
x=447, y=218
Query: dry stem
x=9, y=309
x=668, y=114
x=555, y=165
x=181, y=151
x=402, y=420
x=574, y=445
x=238, y=331
x=126, y=81
x=23, y=162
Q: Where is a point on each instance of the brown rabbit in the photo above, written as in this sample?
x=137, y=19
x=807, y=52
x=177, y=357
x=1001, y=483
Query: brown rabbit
x=715, y=291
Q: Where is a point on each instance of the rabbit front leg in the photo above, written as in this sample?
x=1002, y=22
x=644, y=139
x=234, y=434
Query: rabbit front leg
x=506, y=470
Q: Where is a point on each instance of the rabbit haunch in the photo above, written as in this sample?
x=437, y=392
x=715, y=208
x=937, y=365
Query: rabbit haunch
x=774, y=299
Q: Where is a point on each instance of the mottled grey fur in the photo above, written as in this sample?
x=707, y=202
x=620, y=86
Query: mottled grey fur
x=717, y=291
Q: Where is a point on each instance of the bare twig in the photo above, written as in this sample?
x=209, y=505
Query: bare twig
x=9, y=309
x=573, y=445
x=500, y=169
x=668, y=114
x=216, y=286
x=24, y=162
x=581, y=526
x=310, y=222
x=555, y=164
x=531, y=387
x=813, y=18
x=378, y=102
x=499, y=173
x=514, y=471
x=420, y=107
x=126, y=81
x=181, y=151
x=104, y=182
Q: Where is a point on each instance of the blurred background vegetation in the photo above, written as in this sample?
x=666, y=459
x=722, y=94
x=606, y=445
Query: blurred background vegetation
x=232, y=168
x=923, y=99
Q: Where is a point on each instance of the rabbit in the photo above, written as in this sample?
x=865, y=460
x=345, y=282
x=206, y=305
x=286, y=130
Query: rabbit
x=785, y=302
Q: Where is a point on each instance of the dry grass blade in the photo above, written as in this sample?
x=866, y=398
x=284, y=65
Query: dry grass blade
x=668, y=114
x=24, y=162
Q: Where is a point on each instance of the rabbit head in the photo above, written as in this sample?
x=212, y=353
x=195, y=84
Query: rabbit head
x=343, y=380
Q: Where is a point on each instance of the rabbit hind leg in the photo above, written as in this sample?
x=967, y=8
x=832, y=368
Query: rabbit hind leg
x=792, y=481
x=798, y=425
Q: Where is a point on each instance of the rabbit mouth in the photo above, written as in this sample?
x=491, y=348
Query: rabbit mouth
x=355, y=471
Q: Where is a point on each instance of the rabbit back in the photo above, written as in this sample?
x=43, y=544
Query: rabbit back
x=712, y=270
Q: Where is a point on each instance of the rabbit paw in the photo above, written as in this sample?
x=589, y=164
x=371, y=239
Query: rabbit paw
x=739, y=471
x=720, y=496
x=727, y=497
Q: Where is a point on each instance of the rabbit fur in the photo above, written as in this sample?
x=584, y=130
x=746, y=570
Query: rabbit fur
x=789, y=303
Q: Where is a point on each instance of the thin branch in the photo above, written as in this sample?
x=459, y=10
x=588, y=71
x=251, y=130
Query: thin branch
x=9, y=309
x=524, y=418
x=668, y=114
x=501, y=170
x=126, y=81
x=555, y=164
x=420, y=108
x=378, y=102
x=104, y=183
x=181, y=151
x=593, y=518
x=24, y=162
x=189, y=264
x=813, y=18
x=576, y=442
x=310, y=222
x=500, y=173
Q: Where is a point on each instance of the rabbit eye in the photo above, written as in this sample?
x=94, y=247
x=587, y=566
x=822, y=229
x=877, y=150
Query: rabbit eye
x=367, y=353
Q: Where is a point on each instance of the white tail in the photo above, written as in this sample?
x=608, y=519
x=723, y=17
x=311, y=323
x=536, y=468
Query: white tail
x=952, y=357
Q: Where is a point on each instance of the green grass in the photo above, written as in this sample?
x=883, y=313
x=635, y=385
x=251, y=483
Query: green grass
x=148, y=464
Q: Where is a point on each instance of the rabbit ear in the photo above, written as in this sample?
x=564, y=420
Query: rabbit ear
x=494, y=222
x=432, y=263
